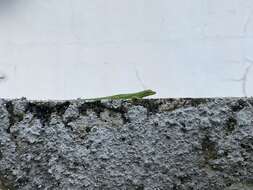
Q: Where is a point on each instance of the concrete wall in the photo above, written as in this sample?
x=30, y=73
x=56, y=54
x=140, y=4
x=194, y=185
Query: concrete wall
x=59, y=49
x=198, y=144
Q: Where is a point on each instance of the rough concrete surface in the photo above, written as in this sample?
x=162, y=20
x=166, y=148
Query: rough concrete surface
x=152, y=144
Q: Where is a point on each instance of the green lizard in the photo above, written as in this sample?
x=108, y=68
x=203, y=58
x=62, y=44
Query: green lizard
x=137, y=95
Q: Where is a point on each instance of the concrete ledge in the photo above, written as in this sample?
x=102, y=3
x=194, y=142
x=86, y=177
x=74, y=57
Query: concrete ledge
x=137, y=145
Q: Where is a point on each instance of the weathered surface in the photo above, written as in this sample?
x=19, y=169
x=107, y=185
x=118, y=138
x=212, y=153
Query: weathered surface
x=140, y=145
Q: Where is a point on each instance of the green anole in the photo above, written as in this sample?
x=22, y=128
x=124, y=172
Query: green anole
x=136, y=95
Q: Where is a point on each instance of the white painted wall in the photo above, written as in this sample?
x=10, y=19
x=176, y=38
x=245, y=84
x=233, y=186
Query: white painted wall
x=62, y=49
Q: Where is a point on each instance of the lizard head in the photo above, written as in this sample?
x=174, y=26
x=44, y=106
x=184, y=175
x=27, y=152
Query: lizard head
x=148, y=92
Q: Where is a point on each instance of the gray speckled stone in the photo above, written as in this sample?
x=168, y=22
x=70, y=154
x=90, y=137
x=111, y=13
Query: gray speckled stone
x=130, y=145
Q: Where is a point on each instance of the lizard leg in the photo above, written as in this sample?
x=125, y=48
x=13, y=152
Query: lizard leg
x=134, y=98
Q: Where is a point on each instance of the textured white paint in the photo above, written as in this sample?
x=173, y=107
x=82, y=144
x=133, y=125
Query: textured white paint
x=61, y=49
